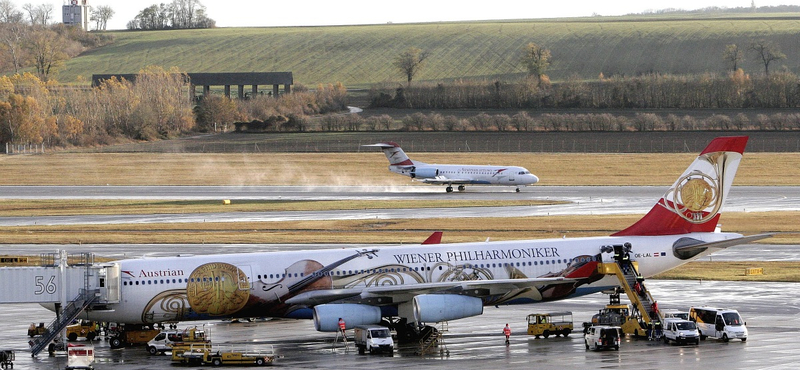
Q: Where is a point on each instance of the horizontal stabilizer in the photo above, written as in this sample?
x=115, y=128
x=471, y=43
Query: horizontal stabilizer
x=722, y=243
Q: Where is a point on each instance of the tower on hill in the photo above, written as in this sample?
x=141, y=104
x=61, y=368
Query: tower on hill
x=76, y=13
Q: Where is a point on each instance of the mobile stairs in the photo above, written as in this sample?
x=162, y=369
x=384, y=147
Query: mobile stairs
x=645, y=317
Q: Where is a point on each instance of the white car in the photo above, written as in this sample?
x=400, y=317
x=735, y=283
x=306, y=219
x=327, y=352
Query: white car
x=600, y=337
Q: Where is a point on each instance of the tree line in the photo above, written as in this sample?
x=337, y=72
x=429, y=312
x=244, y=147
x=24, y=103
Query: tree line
x=651, y=91
x=179, y=14
x=156, y=106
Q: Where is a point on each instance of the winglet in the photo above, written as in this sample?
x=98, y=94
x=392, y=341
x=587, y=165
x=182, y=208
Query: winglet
x=435, y=238
x=694, y=201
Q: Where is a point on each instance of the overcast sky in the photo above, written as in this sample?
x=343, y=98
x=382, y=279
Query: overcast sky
x=265, y=13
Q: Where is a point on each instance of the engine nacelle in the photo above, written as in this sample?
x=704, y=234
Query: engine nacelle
x=326, y=316
x=443, y=307
x=424, y=173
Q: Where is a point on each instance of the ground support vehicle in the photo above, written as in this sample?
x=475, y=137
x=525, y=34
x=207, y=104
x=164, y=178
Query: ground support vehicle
x=545, y=324
x=191, y=354
x=373, y=339
x=36, y=330
x=83, y=329
x=202, y=354
x=166, y=339
x=680, y=331
x=130, y=335
x=7, y=359
x=721, y=323
x=602, y=337
x=80, y=356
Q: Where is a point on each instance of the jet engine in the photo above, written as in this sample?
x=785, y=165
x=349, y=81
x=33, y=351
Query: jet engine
x=443, y=307
x=326, y=316
x=424, y=173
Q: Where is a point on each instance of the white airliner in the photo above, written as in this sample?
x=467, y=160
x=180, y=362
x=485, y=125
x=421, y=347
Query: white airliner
x=454, y=174
x=411, y=285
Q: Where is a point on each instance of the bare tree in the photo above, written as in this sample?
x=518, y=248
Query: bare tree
x=12, y=36
x=9, y=13
x=410, y=61
x=38, y=14
x=536, y=60
x=46, y=49
x=766, y=52
x=732, y=55
x=101, y=15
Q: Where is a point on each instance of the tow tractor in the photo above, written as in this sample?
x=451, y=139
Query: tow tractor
x=544, y=324
x=82, y=329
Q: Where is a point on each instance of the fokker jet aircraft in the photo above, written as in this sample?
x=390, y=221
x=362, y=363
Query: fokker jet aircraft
x=454, y=174
x=409, y=286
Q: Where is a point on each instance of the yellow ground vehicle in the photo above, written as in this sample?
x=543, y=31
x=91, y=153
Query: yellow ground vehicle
x=35, y=330
x=545, y=324
x=620, y=315
x=203, y=354
x=130, y=335
x=190, y=353
x=83, y=329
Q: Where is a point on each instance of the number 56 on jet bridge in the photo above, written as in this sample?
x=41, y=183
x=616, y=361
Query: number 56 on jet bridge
x=452, y=281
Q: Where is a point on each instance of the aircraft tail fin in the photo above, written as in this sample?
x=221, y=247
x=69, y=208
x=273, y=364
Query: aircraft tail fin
x=395, y=154
x=693, y=203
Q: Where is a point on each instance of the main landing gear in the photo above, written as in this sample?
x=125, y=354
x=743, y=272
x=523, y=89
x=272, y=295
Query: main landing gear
x=449, y=188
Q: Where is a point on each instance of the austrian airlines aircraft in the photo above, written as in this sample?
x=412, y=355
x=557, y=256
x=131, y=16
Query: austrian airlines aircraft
x=410, y=285
x=450, y=174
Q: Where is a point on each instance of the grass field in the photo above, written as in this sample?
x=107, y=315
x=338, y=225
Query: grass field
x=360, y=56
x=367, y=168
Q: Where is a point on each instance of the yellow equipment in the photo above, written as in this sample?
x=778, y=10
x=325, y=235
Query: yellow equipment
x=545, y=324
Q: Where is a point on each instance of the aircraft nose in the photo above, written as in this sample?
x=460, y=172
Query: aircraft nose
x=534, y=179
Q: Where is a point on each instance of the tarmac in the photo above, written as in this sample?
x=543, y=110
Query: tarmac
x=771, y=311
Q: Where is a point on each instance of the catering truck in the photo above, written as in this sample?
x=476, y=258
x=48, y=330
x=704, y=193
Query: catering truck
x=373, y=339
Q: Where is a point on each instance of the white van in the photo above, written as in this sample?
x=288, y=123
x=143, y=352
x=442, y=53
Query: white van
x=602, y=337
x=373, y=339
x=680, y=331
x=719, y=323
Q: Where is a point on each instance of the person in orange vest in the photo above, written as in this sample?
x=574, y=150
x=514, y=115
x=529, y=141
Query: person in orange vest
x=507, y=332
x=341, y=325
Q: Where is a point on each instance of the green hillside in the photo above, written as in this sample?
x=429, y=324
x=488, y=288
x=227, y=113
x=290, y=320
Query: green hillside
x=360, y=56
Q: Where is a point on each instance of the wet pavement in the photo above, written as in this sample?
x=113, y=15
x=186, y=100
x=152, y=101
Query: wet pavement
x=770, y=310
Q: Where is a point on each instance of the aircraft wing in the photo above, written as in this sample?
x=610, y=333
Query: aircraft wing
x=402, y=293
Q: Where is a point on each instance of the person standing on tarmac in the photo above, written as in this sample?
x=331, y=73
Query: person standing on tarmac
x=342, y=326
x=507, y=332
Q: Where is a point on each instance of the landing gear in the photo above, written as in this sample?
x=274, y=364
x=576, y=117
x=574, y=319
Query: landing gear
x=449, y=189
x=517, y=190
x=461, y=188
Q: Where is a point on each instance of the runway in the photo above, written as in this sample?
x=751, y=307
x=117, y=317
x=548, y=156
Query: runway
x=585, y=200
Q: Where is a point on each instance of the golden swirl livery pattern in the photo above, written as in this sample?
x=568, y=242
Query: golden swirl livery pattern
x=217, y=289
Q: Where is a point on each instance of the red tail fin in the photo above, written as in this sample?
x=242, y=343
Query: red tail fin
x=693, y=203
x=435, y=238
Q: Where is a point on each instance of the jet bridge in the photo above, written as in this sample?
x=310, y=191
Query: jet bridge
x=71, y=282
